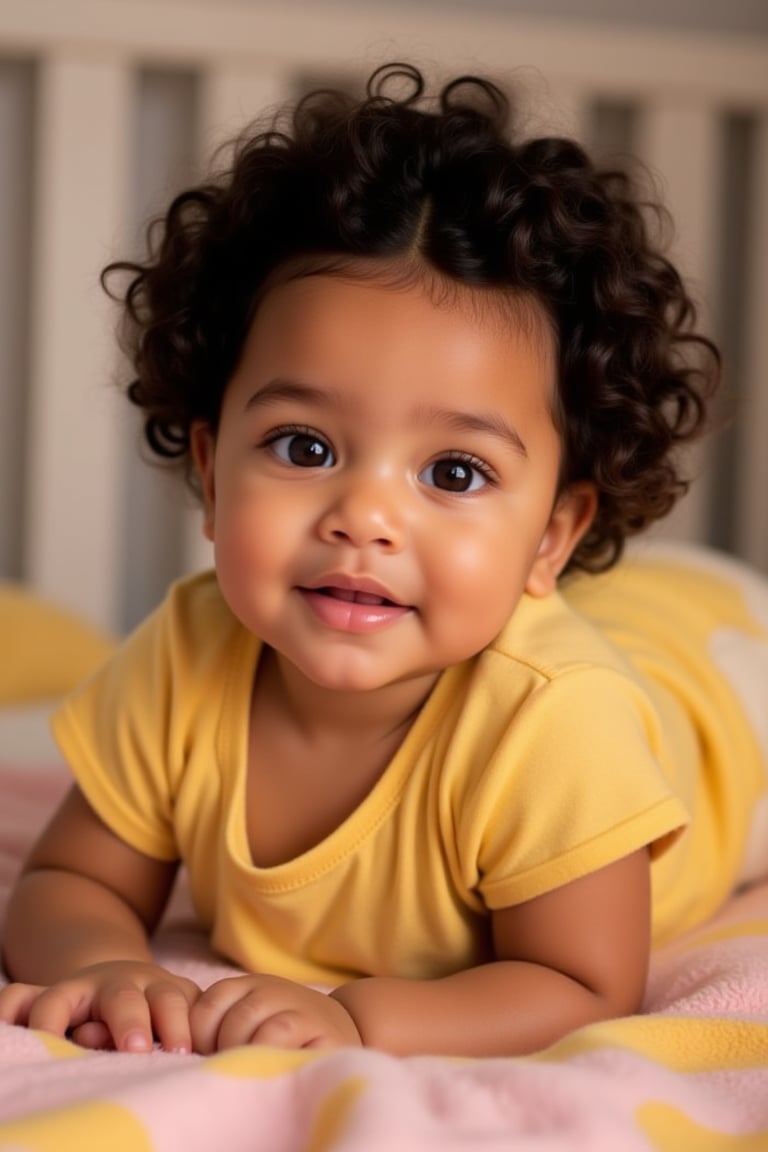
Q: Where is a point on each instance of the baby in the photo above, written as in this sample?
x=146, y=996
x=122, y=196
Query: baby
x=438, y=784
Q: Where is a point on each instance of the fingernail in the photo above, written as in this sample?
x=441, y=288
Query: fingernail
x=136, y=1042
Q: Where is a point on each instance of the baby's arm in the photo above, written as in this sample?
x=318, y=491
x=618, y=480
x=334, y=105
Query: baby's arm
x=76, y=933
x=574, y=955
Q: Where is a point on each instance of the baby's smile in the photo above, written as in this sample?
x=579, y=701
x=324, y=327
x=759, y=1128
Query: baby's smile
x=353, y=606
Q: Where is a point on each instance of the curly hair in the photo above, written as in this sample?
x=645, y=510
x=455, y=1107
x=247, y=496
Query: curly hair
x=391, y=175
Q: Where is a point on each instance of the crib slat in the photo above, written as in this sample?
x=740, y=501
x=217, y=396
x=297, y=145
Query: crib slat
x=16, y=89
x=681, y=143
x=233, y=94
x=752, y=505
x=83, y=134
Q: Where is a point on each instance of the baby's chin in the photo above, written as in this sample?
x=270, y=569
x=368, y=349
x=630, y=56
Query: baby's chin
x=357, y=674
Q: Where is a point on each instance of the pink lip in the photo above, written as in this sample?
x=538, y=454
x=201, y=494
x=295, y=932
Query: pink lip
x=352, y=604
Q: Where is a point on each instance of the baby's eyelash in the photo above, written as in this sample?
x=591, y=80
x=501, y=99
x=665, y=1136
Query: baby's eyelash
x=482, y=466
x=290, y=430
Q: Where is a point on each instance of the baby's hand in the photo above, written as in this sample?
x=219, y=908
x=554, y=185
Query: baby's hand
x=120, y=1004
x=272, y=1011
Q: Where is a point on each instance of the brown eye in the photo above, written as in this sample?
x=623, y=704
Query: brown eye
x=302, y=450
x=454, y=474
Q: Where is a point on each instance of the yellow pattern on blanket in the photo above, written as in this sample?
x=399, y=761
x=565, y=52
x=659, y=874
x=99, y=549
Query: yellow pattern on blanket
x=690, y=1073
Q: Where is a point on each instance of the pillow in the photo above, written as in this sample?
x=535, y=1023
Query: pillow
x=46, y=650
x=25, y=735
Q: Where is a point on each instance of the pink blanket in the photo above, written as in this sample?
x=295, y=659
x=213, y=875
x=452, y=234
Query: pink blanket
x=689, y=1074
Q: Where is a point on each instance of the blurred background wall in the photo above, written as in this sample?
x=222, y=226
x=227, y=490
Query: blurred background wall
x=750, y=16
x=108, y=106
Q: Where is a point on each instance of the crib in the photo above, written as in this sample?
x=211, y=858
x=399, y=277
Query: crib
x=107, y=106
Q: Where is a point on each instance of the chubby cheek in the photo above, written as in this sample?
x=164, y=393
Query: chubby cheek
x=475, y=583
x=248, y=544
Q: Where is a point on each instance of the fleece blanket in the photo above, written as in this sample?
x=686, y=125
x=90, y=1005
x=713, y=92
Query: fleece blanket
x=689, y=1074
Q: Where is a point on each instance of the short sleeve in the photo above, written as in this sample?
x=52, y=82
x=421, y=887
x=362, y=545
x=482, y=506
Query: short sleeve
x=116, y=734
x=575, y=783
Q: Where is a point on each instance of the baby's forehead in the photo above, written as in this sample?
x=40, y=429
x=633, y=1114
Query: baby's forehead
x=324, y=331
x=504, y=307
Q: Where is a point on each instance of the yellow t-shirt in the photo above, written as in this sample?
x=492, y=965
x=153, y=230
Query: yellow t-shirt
x=547, y=756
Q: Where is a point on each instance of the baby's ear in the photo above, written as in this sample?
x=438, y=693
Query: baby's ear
x=202, y=445
x=572, y=515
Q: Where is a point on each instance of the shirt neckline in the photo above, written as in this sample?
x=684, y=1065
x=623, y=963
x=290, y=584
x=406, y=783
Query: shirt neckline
x=345, y=839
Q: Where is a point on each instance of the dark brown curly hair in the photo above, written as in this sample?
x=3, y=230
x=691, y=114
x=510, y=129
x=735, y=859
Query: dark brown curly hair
x=390, y=175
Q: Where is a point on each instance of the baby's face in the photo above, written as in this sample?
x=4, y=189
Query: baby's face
x=382, y=486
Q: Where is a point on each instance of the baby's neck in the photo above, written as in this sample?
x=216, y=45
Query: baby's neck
x=321, y=713
x=314, y=756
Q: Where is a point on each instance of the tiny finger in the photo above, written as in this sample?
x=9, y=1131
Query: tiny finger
x=16, y=1000
x=241, y=1022
x=204, y=1017
x=125, y=1012
x=210, y=1009
x=286, y=1029
x=58, y=1009
x=169, y=1011
x=93, y=1034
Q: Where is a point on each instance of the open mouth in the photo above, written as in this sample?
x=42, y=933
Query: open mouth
x=353, y=610
x=356, y=597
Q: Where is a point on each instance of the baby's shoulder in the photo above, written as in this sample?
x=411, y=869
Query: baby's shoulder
x=190, y=638
x=552, y=639
x=194, y=604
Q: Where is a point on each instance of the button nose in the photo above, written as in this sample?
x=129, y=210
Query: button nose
x=364, y=512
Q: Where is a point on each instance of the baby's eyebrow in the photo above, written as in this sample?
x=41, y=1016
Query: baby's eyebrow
x=282, y=389
x=488, y=423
